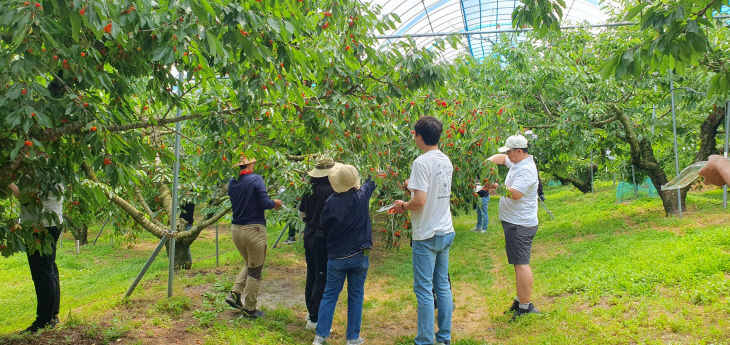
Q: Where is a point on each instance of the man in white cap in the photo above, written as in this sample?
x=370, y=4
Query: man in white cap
x=518, y=213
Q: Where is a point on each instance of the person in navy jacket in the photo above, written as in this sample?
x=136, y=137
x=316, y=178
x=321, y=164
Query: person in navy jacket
x=249, y=200
x=346, y=217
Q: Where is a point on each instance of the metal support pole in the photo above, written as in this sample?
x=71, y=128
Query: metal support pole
x=281, y=234
x=102, y=229
x=727, y=136
x=653, y=114
x=146, y=266
x=633, y=177
x=216, y=244
x=215, y=195
x=591, y=167
x=60, y=240
x=175, y=184
x=78, y=247
x=674, y=132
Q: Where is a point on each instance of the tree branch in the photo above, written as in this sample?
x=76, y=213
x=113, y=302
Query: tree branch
x=138, y=216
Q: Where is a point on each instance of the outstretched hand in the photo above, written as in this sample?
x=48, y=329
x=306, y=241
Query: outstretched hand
x=717, y=171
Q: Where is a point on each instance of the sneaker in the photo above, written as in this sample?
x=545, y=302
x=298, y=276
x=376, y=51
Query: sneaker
x=483, y=231
x=318, y=340
x=310, y=325
x=234, y=300
x=357, y=341
x=33, y=328
x=530, y=310
x=54, y=322
x=445, y=342
x=290, y=240
x=513, y=308
x=252, y=314
x=475, y=229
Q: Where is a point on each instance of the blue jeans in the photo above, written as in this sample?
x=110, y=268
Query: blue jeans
x=355, y=269
x=430, y=273
x=482, y=215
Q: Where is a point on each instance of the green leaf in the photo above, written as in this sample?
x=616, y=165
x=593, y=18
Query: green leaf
x=75, y=26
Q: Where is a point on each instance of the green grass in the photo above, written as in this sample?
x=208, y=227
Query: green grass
x=605, y=273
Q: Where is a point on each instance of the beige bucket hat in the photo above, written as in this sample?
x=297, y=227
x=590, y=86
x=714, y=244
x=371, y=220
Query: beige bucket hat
x=344, y=177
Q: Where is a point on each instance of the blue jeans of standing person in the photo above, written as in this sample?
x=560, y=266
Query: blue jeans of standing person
x=430, y=273
x=482, y=215
x=355, y=269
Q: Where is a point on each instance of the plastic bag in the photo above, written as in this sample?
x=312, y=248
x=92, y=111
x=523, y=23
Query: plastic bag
x=685, y=177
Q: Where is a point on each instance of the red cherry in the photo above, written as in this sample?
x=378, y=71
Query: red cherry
x=23, y=91
x=107, y=161
x=32, y=114
x=82, y=11
x=28, y=143
x=26, y=3
x=93, y=128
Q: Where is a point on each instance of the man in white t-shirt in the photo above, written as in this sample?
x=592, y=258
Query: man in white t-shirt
x=43, y=211
x=518, y=213
x=433, y=231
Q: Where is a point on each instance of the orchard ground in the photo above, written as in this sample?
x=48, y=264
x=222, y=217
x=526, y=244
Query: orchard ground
x=605, y=273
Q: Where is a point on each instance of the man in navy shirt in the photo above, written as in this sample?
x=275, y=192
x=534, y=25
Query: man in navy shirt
x=249, y=199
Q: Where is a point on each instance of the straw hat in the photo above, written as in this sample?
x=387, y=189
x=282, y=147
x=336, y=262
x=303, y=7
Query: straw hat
x=344, y=177
x=323, y=167
x=245, y=161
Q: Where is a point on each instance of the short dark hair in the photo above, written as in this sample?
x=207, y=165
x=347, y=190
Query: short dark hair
x=429, y=128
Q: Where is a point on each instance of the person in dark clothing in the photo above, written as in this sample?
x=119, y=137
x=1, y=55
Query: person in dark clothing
x=249, y=199
x=346, y=217
x=43, y=268
x=315, y=237
x=187, y=211
x=482, y=210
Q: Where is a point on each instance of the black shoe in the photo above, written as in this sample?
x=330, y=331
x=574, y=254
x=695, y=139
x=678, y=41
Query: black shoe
x=530, y=310
x=234, y=300
x=33, y=328
x=37, y=326
x=54, y=321
x=290, y=240
x=252, y=314
x=513, y=308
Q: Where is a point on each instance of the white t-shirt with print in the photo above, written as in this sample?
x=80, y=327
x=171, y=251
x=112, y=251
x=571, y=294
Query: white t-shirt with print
x=431, y=173
x=521, y=177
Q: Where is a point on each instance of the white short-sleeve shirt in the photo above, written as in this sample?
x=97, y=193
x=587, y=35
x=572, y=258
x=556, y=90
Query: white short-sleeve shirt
x=50, y=203
x=431, y=173
x=521, y=177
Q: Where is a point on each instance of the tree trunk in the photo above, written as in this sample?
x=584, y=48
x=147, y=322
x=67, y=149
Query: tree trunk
x=83, y=235
x=642, y=156
x=708, y=134
x=183, y=259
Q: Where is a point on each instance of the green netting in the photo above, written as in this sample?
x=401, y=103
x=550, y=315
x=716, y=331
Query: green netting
x=626, y=191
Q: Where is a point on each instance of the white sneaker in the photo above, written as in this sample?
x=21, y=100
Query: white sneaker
x=475, y=229
x=319, y=340
x=357, y=341
x=311, y=325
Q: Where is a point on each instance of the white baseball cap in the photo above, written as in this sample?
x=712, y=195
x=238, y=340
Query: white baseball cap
x=514, y=142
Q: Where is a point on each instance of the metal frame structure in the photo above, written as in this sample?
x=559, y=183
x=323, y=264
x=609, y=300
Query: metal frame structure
x=480, y=23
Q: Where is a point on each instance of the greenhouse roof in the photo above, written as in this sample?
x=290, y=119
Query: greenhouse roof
x=464, y=16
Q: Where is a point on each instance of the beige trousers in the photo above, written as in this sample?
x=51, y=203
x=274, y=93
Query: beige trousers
x=250, y=240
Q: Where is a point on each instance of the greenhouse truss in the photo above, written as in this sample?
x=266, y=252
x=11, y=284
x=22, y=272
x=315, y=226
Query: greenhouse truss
x=465, y=16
